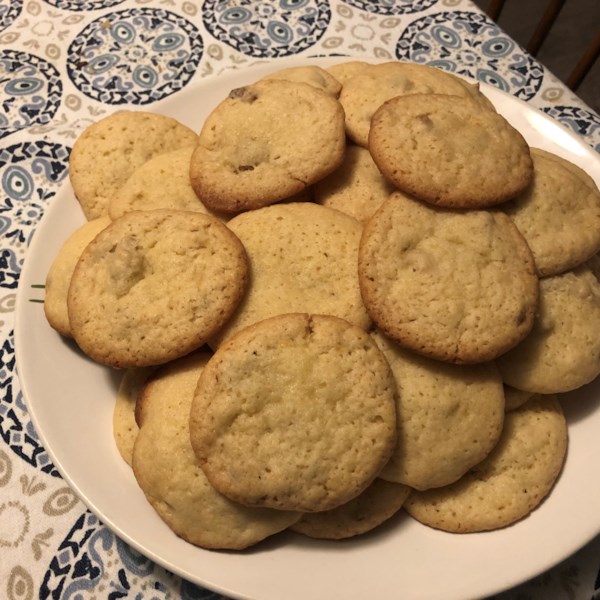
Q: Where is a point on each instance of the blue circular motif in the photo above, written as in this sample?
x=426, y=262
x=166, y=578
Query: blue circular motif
x=81, y=5
x=80, y=565
x=267, y=29
x=30, y=91
x=9, y=11
x=471, y=44
x=581, y=121
x=135, y=56
x=392, y=7
x=30, y=174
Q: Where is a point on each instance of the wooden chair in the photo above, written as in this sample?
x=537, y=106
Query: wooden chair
x=544, y=26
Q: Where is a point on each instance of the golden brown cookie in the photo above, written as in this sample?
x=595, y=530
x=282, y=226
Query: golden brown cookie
x=346, y=69
x=173, y=482
x=154, y=285
x=266, y=142
x=449, y=151
x=110, y=150
x=311, y=75
x=373, y=85
x=303, y=259
x=558, y=214
x=562, y=352
x=356, y=188
x=514, y=398
x=379, y=502
x=295, y=412
x=449, y=417
x=456, y=286
x=510, y=483
x=125, y=428
x=161, y=182
x=61, y=271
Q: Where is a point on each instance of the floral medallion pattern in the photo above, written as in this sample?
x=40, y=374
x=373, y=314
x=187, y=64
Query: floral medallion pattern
x=135, y=56
x=30, y=91
x=470, y=44
x=267, y=29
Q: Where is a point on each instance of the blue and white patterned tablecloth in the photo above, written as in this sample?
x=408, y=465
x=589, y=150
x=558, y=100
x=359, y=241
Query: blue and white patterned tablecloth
x=66, y=63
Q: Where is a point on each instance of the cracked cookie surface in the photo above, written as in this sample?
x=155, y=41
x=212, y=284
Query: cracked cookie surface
x=154, y=285
x=456, y=286
x=295, y=412
x=266, y=142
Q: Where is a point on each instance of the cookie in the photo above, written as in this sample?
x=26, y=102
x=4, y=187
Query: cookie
x=363, y=94
x=125, y=428
x=510, y=483
x=161, y=182
x=345, y=70
x=155, y=285
x=356, y=188
x=562, y=352
x=479, y=159
x=514, y=398
x=449, y=417
x=311, y=75
x=106, y=154
x=61, y=271
x=379, y=502
x=266, y=142
x=456, y=286
x=295, y=412
x=303, y=259
x=167, y=471
x=558, y=214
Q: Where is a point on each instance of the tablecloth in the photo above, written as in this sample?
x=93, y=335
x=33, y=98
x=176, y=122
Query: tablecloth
x=65, y=64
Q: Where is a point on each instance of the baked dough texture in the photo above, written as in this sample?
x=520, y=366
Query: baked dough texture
x=373, y=85
x=510, y=483
x=266, y=142
x=302, y=259
x=562, y=352
x=311, y=75
x=295, y=412
x=378, y=503
x=161, y=182
x=356, y=188
x=558, y=214
x=168, y=473
x=155, y=285
x=449, y=151
x=449, y=417
x=456, y=286
x=125, y=428
x=110, y=150
x=59, y=275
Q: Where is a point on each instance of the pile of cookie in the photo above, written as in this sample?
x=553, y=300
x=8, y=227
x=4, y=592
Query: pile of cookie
x=357, y=290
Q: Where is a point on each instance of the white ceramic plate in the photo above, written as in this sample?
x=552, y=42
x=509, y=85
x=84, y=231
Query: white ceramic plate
x=70, y=400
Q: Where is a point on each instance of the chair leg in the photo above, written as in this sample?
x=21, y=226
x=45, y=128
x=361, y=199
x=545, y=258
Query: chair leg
x=544, y=26
x=585, y=64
